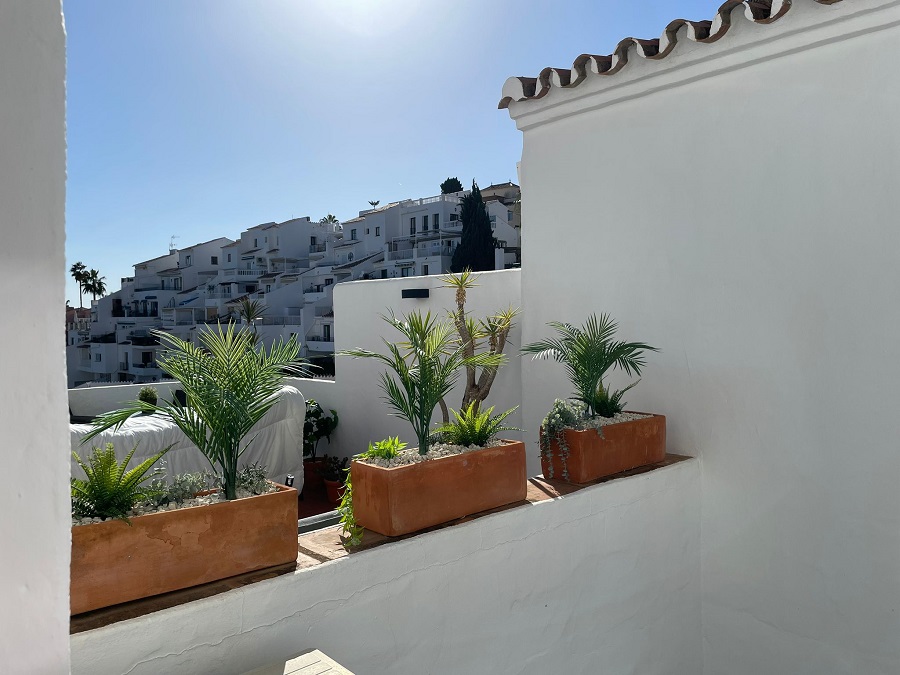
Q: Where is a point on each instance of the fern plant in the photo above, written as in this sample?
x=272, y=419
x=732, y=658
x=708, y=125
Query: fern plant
x=425, y=365
x=588, y=353
x=230, y=383
x=386, y=449
x=111, y=490
x=475, y=427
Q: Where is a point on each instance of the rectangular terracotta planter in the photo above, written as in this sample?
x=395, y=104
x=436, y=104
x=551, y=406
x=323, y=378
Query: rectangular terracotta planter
x=623, y=446
x=113, y=562
x=409, y=498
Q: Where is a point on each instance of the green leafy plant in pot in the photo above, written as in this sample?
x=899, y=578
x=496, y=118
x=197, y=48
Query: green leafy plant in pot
x=150, y=396
x=334, y=473
x=316, y=425
x=588, y=353
x=230, y=382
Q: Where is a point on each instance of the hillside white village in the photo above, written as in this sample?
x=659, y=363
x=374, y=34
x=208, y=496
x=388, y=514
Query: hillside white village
x=278, y=277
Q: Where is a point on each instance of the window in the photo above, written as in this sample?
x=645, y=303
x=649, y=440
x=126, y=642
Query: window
x=425, y=223
x=367, y=230
x=326, y=332
x=276, y=240
x=255, y=243
x=404, y=272
x=98, y=357
x=412, y=225
x=509, y=216
x=353, y=235
x=378, y=231
x=453, y=217
x=437, y=220
x=214, y=260
x=350, y=257
x=425, y=270
x=384, y=274
x=312, y=241
x=187, y=261
x=493, y=219
x=328, y=282
x=176, y=284
x=268, y=288
x=229, y=257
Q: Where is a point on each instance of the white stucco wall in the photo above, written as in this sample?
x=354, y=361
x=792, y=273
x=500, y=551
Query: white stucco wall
x=740, y=214
x=602, y=581
x=34, y=502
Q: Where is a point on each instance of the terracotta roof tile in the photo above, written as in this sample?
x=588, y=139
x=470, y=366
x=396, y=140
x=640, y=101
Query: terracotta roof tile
x=588, y=65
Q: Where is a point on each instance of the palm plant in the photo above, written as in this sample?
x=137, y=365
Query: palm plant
x=79, y=274
x=330, y=219
x=250, y=310
x=374, y=202
x=229, y=384
x=425, y=365
x=111, y=490
x=95, y=284
x=588, y=353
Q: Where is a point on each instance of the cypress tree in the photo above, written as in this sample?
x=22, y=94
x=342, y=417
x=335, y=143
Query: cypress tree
x=476, y=246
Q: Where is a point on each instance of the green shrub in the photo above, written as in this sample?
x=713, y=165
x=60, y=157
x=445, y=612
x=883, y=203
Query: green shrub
x=148, y=395
x=335, y=469
x=351, y=533
x=110, y=489
x=474, y=426
x=316, y=426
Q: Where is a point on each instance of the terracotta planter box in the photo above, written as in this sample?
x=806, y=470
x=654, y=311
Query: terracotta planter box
x=409, y=498
x=623, y=446
x=113, y=562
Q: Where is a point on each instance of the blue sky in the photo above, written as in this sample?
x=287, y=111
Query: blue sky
x=200, y=118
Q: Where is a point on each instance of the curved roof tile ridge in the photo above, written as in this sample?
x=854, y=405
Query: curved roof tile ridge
x=534, y=88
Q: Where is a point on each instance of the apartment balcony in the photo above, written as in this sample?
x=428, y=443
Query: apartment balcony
x=317, y=343
x=317, y=249
x=434, y=251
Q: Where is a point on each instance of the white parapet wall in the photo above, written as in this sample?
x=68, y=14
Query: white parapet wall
x=34, y=502
x=606, y=580
x=735, y=205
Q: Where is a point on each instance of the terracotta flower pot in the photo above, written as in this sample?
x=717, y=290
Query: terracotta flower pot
x=312, y=474
x=335, y=490
x=113, y=562
x=623, y=446
x=413, y=497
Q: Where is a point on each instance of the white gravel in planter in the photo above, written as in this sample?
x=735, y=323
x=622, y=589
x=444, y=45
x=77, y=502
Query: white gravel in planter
x=412, y=456
x=598, y=421
x=146, y=507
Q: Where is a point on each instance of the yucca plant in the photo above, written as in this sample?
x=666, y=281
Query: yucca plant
x=475, y=427
x=490, y=333
x=588, y=353
x=111, y=490
x=425, y=365
x=229, y=382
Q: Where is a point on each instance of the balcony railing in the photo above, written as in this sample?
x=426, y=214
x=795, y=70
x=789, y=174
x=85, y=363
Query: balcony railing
x=405, y=254
x=281, y=321
x=145, y=366
x=317, y=248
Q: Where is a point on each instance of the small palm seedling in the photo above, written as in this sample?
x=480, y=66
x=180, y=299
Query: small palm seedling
x=475, y=427
x=229, y=382
x=110, y=489
x=425, y=365
x=588, y=353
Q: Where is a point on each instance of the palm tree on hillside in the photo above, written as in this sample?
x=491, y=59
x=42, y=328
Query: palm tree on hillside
x=95, y=284
x=330, y=219
x=79, y=274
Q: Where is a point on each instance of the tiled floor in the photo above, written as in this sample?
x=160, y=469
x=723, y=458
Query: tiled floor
x=321, y=546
